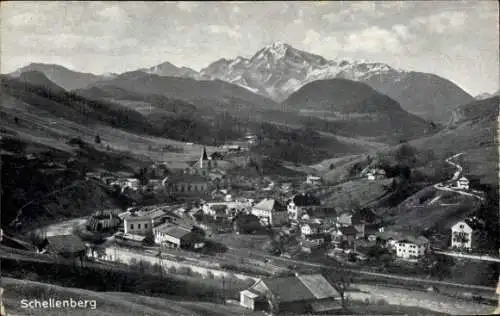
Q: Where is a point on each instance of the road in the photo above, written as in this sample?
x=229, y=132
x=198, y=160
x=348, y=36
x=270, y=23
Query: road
x=442, y=187
x=464, y=255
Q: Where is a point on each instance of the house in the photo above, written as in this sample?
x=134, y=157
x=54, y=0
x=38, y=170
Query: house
x=295, y=294
x=348, y=234
x=462, y=183
x=132, y=183
x=246, y=223
x=344, y=219
x=412, y=247
x=300, y=204
x=270, y=212
x=310, y=228
x=313, y=180
x=176, y=236
x=187, y=184
x=359, y=224
x=67, y=246
x=137, y=225
x=308, y=246
x=370, y=176
x=466, y=234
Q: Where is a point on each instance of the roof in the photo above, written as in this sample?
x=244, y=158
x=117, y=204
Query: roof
x=306, y=200
x=136, y=218
x=270, y=205
x=349, y=230
x=66, y=243
x=403, y=236
x=300, y=288
x=187, y=178
x=177, y=165
x=249, y=294
x=174, y=231
x=318, y=285
x=289, y=289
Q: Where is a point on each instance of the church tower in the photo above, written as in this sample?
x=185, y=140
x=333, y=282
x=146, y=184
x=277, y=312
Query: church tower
x=203, y=158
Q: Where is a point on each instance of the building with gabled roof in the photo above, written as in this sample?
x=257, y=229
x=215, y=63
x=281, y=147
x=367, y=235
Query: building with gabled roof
x=270, y=212
x=294, y=294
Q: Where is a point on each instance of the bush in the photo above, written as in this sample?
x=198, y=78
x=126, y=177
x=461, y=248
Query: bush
x=381, y=302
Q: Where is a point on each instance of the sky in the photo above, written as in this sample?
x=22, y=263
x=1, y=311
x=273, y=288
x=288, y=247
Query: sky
x=457, y=40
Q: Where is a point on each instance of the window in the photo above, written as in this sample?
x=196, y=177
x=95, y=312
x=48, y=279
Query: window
x=146, y=226
x=138, y=226
x=131, y=226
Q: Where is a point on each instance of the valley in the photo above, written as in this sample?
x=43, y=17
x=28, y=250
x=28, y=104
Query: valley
x=270, y=180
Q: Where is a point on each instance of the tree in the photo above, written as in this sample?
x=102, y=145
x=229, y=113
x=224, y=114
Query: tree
x=97, y=139
x=16, y=120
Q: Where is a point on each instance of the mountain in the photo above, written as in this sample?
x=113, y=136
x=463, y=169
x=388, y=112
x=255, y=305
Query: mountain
x=63, y=77
x=355, y=109
x=167, y=69
x=277, y=70
x=206, y=94
x=487, y=95
x=39, y=79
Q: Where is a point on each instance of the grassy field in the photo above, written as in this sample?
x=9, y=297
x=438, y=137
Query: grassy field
x=107, y=303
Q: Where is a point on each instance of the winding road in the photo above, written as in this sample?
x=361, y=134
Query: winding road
x=447, y=187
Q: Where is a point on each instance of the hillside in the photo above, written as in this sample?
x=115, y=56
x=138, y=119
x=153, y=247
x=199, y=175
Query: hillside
x=355, y=109
x=61, y=76
x=216, y=95
x=426, y=95
x=108, y=303
x=37, y=78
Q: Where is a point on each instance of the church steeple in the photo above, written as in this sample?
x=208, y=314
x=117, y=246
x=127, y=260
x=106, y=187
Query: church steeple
x=203, y=157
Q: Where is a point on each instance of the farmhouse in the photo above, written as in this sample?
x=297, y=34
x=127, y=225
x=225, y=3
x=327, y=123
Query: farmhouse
x=313, y=180
x=412, y=247
x=463, y=183
x=270, y=212
x=465, y=235
x=176, y=237
x=300, y=204
x=310, y=228
x=295, y=294
x=137, y=225
x=67, y=246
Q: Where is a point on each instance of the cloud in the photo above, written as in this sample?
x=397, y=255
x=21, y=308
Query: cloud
x=187, y=6
x=113, y=14
x=441, y=22
x=316, y=43
x=373, y=40
x=402, y=31
x=223, y=29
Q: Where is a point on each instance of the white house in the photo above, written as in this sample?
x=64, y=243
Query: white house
x=310, y=228
x=270, y=212
x=137, y=225
x=133, y=183
x=462, y=236
x=412, y=247
x=314, y=180
x=463, y=183
x=370, y=176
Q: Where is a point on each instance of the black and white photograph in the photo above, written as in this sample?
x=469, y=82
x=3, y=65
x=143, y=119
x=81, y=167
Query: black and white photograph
x=249, y=158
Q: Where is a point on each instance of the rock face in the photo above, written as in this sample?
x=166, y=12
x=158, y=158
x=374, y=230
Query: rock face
x=278, y=70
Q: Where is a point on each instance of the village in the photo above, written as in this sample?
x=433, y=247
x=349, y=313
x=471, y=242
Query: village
x=216, y=227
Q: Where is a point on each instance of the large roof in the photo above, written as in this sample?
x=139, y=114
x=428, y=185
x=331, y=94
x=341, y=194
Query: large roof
x=270, y=205
x=300, y=288
x=66, y=243
x=318, y=285
x=187, y=178
x=174, y=230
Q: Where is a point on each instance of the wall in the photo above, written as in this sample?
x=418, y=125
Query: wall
x=126, y=256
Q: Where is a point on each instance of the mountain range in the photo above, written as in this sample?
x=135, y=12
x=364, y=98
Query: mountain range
x=278, y=70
